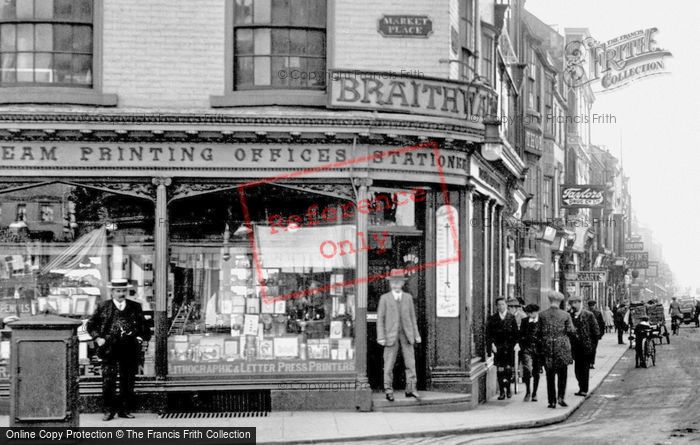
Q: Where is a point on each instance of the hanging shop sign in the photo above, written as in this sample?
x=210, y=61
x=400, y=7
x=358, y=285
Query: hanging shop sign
x=634, y=245
x=405, y=93
x=637, y=260
x=447, y=261
x=405, y=26
x=582, y=196
x=591, y=276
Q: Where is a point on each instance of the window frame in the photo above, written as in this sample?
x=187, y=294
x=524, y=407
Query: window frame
x=68, y=95
x=269, y=96
x=467, y=31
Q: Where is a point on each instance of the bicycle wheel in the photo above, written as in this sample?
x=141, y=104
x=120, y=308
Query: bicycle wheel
x=653, y=354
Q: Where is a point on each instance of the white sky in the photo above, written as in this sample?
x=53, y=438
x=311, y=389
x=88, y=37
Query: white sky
x=658, y=118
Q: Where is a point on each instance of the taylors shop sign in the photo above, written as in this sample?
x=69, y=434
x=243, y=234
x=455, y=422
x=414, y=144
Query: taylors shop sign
x=582, y=196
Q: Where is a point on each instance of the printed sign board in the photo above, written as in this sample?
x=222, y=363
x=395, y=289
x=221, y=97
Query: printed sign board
x=582, y=196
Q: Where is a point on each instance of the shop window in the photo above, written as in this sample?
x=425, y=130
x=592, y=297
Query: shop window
x=271, y=296
x=46, y=213
x=62, y=263
x=46, y=42
x=279, y=44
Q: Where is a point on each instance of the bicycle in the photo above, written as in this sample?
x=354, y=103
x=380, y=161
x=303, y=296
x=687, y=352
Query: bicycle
x=649, y=352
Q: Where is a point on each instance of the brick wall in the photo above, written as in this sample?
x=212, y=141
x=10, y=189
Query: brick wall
x=359, y=45
x=163, y=53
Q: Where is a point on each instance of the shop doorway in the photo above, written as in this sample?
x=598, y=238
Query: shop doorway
x=401, y=252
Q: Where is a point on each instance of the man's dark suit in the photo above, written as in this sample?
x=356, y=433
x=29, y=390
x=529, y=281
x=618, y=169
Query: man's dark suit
x=601, y=331
x=556, y=328
x=390, y=315
x=583, y=346
x=121, y=351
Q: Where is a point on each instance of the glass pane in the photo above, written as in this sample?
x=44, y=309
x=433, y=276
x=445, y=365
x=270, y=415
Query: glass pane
x=62, y=68
x=280, y=73
x=280, y=12
x=83, y=10
x=82, y=39
x=244, y=41
x=317, y=71
x=43, y=70
x=44, y=37
x=315, y=43
x=8, y=63
x=7, y=37
x=280, y=41
x=82, y=70
x=25, y=37
x=243, y=12
x=44, y=9
x=262, y=71
x=261, y=12
x=299, y=13
x=63, y=38
x=317, y=13
x=297, y=41
x=25, y=67
x=262, y=41
x=8, y=9
x=63, y=9
x=25, y=9
x=243, y=71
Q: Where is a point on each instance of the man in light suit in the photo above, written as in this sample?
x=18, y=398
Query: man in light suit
x=397, y=326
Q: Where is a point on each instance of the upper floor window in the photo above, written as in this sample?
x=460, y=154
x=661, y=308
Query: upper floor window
x=487, y=49
x=46, y=212
x=21, y=212
x=46, y=42
x=467, y=33
x=279, y=44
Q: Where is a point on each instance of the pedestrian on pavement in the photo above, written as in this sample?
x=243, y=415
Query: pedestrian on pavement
x=515, y=308
x=531, y=351
x=601, y=328
x=556, y=328
x=608, y=317
x=119, y=328
x=501, y=338
x=674, y=310
x=397, y=326
x=583, y=346
x=619, y=320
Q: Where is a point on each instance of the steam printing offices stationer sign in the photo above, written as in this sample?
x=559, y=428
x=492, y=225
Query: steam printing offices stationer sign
x=405, y=26
x=582, y=196
x=446, y=261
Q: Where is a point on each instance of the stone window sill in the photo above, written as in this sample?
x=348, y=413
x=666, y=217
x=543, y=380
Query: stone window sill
x=251, y=98
x=56, y=95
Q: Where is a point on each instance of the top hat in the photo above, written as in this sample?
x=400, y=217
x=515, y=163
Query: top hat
x=119, y=283
x=397, y=274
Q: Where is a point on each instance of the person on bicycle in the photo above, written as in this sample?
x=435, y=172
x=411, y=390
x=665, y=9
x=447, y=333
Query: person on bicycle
x=674, y=311
x=641, y=331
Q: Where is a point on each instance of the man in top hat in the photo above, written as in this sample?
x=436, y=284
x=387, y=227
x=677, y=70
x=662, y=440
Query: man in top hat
x=515, y=308
x=397, y=326
x=119, y=328
x=583, y=346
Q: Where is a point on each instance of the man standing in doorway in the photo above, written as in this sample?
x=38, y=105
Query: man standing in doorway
x=583, y=347
x=501, y=337
x=119, y=328
x=397, y=326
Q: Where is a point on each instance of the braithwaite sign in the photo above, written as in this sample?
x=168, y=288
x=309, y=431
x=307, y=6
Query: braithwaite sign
x=582, y=196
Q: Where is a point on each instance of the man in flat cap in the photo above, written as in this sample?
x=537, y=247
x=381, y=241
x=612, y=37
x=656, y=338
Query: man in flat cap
x=556, y=330
x=583, y=346
x=397, y=326
x=501, y=337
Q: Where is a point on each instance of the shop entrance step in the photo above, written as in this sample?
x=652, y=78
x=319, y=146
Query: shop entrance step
x=429, y=402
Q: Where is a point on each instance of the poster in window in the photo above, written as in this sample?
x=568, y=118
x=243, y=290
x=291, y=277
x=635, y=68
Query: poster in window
x=446, y=256
x=266, y=349
x=231, y=349
x=250, y=324
x=280, y=307
x=336, y=329
x=286, y=347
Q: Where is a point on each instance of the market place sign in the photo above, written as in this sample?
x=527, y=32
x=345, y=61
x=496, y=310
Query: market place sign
x=405, y=93
x=591, y=276
x=405, y=26
x=582, y=196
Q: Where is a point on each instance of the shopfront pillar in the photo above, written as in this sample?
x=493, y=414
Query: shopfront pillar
x=361, y=284
x=160, y=282
x=465, y=246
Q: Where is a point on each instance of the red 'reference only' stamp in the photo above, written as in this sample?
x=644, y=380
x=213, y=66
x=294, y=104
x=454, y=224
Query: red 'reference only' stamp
x=293, y=230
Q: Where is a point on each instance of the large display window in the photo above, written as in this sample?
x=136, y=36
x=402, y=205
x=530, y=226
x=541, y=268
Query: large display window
x=61, y=244
x=266, y=291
